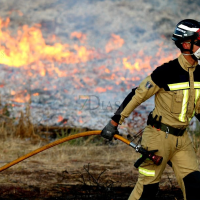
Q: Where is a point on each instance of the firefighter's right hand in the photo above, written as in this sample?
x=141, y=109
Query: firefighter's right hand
x=109, y=131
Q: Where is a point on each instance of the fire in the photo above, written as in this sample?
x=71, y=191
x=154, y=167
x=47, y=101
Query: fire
x=107, y=71
x=82, y=37
x=163, y=58
x=21, y=98
x=29, y=51
x=30, y=47
x=60, y=118
x=114, y=43
x=138, y=65
x=101, y=89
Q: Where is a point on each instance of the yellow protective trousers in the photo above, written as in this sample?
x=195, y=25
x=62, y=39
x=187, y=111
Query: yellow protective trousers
x=178, y=149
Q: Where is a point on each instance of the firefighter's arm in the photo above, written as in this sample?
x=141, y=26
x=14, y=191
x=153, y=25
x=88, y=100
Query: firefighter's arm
x=146, y=89
x=116, y=118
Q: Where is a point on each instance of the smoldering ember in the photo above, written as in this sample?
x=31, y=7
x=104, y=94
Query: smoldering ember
x=74, y=61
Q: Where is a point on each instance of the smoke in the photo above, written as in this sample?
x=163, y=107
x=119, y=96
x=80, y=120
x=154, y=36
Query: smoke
x=143, y=29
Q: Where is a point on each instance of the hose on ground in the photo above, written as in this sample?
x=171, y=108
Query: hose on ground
x=52, y=144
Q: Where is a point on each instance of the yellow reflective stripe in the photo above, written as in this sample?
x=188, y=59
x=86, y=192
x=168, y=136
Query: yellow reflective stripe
x=197, y=96
x=182, y=116
x=179, y=86
x=197, y=85
x=146, y=172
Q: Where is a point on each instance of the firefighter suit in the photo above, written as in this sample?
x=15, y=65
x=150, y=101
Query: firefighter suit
x=176, y=86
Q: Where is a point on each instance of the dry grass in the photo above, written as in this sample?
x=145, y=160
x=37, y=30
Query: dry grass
x=21, y=138
x=24, y=137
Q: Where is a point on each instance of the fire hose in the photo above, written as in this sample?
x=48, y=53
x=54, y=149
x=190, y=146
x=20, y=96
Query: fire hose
x=145, y=154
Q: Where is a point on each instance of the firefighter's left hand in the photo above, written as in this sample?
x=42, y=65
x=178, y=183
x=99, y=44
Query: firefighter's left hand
x=109, y=131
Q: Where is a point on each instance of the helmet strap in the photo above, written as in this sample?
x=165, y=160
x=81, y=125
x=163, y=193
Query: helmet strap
x=187, y=54
x=191, y=48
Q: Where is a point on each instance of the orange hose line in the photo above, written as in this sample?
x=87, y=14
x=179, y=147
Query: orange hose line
x=52, y=144
x=122, y=139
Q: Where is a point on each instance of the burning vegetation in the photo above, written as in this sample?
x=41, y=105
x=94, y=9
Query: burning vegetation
x=39, y=65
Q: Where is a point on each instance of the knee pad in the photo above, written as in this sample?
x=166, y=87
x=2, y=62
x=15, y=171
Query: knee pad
x=149, y=191
x=192, y=185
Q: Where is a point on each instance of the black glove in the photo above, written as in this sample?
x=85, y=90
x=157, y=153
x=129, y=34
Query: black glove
x=109, y=131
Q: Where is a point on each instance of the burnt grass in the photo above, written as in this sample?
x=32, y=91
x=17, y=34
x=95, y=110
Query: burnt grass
x=81, y=192
x=80, y=177
x=85, y=175
x=93, y=186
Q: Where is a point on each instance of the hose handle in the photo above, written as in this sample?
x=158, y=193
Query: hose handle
x=157, y=160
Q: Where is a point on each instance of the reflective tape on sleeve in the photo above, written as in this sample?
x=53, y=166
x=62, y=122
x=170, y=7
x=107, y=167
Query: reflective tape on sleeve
x=146, y=172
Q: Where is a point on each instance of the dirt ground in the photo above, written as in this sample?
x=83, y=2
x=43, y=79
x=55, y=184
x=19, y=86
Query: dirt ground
x=75, y=172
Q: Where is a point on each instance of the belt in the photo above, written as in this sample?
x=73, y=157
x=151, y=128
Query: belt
x=163, y=127
x=168, y=129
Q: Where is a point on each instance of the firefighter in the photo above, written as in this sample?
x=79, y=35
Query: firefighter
x=176, y=86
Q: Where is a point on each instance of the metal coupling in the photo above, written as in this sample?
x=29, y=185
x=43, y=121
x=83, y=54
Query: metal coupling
x=133, y=145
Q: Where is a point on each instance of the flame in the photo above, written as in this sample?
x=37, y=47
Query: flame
x=80, y=120
x=60, y=118
x=30, y=47
x=138, y=65
x=22, y=98
x=114, y=43
x=163, y=57
x=101, y=89
x=29, y=51
x=82, y=37
x=79, y=112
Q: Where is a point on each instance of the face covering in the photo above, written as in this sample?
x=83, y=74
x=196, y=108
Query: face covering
x=197, y=54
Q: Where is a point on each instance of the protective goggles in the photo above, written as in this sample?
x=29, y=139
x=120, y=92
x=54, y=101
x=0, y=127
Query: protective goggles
x=197, y=43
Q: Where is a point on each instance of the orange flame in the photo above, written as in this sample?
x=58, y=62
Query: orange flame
x=114, y=43
x=60, y=118
x=138, y=65
x=28, y=49
x=79, y=35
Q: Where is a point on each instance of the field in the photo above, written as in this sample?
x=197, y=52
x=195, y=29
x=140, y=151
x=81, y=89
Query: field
x=71, y=63
x=85, y=168
x=70, y=170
